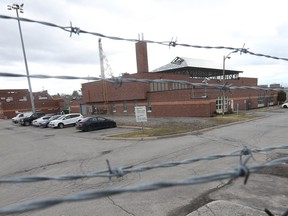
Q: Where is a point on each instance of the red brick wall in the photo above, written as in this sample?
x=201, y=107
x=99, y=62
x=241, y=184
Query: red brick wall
x=43, y=102
x=171, y=102
x=141, y=57
x=93, y=91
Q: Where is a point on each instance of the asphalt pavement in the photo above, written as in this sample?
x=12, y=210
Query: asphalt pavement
x=28, y=151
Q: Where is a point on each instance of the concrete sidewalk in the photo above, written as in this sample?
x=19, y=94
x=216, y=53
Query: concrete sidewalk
x=236, y=199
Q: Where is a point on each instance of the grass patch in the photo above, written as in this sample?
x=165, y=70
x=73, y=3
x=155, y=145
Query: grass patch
x=171, y=128
x=230, y=118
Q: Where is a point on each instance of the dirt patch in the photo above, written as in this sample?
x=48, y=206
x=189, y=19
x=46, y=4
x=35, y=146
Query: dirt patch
x=279, y=170
x=196, y=203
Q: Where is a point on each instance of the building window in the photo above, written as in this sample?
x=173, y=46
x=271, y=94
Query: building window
x=219, y=103
x=261, y=100
x=135, y=104
x=23, y=99
x=124, y=106
x=9, y=99
x=151, y=87
x=271, y=99
x=165, y=86
x=149, y=106
x=114, y=107
x=42, y=98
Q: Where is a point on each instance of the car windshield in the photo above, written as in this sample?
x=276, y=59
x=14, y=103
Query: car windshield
x=54, y=117
x=61, y=117
x=86, y=119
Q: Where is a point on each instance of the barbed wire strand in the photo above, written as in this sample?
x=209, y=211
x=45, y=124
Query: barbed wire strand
x=121, y=171
x=76, y=30
x=120, y=80
x=96, y=194
x=242, y=169
x=268, y=212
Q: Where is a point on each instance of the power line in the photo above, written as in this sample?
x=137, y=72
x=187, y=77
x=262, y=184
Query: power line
x=120, y=80
x=242, y=170
x=77, y=30
x=121, y=171
x=97, y=194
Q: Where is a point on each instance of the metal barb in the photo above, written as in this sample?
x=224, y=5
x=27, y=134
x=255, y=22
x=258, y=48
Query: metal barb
x=243, y=170
x=173, y=43
x=109, y=169
x=74, y=30
x=268, y=212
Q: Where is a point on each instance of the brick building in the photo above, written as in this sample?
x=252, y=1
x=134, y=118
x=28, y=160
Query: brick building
x=13, y=101
x=175, y=97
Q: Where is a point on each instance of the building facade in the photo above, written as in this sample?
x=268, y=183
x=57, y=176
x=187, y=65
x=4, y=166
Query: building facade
x=175, y=99
x=183, y=88
x=13, y=101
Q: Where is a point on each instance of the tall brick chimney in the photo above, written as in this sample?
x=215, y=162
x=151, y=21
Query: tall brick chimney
x=142, y=57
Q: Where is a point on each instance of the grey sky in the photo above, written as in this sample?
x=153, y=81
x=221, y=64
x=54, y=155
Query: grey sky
x=261, y=24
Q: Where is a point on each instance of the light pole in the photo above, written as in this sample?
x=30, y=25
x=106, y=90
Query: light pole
x=20, y=8
x=223, y=92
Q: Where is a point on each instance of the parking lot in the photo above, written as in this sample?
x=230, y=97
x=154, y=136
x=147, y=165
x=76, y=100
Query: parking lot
x=30, y=151
x=70, y=130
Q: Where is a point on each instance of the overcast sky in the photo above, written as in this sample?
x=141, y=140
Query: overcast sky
x=261, y=24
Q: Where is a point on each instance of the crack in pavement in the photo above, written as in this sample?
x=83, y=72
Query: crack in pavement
x=120, y=206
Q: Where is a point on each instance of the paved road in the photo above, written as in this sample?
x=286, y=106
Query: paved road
x=27, y=151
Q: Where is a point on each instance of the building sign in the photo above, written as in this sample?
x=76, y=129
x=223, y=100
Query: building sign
x=140, y=113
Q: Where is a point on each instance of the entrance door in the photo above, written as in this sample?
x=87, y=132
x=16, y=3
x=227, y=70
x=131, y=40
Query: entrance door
x=232, y=105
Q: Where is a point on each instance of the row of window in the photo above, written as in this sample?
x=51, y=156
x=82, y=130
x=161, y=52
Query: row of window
x=261, y=98
x=261, y=101
x=10, y=99
x=165, y=86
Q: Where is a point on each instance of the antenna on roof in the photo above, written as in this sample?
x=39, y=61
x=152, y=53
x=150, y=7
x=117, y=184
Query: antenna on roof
x=141, y=37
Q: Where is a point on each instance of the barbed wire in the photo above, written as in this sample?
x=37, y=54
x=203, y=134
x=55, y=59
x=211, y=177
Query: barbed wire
x=120, y=80
x=121, y=171
x=77, y=30
x=242, y=170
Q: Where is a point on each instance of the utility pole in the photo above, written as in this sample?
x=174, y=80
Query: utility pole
x=20, y=8
x=223, y=90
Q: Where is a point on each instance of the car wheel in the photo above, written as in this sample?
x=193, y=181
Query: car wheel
x=61, y=125
x=285, y=106
x=26, y=123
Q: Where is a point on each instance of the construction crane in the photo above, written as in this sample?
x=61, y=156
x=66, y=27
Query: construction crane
x=105, y=69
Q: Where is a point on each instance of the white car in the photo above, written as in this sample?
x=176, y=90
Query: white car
x=285, y=105
x=40, y=120
x=17, y=118
x=66, y=120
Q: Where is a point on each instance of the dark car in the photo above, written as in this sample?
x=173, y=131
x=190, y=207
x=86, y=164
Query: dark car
x=28, y=120
x=94, y=123
x=44, y=124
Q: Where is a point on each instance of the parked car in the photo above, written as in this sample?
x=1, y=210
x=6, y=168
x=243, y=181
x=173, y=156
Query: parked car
x=284, y=105
x=44, y=123
x=66, y=120
x=19, y=116
x=26, y=121
x=94, y=123
x=37, y=121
